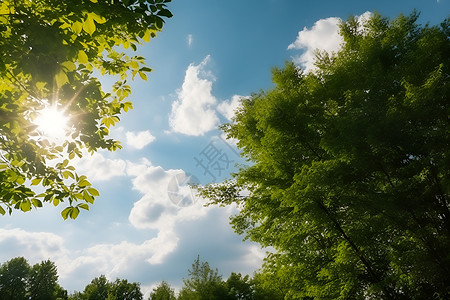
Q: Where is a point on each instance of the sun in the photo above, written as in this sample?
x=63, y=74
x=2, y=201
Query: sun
x=51, y=122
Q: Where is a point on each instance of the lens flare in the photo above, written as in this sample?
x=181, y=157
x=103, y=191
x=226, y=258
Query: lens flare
x=52, y=123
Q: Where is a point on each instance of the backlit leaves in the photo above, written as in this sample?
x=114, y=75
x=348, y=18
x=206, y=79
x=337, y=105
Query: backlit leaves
x=53, y=53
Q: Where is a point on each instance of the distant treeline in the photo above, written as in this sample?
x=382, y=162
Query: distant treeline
x=19, y=281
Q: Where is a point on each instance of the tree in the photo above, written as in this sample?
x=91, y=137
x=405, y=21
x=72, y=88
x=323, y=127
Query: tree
x=240, y=287
x=349, y=166
x=14, y=277
x=124, y=290
x=101, y=288
x=98, y=288
x=163, y=292
x=50, y=50
x=203, y=283
x=43, y=284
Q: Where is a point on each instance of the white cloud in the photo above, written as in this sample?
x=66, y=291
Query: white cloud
x=156, y=209
x=323, y=36
x=139, y=140
x=193, y=112
x=228, y=108
x=190, y=40
x=99, y=168
x=35, y=246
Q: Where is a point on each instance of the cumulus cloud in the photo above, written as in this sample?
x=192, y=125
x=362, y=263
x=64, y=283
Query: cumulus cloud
x=193, y=112
x=159, y=206
x=139, y=140
x=323, y=36
x=99, y=168
x=35, y=246
x=228, y=108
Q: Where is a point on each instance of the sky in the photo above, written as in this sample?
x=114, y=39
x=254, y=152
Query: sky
x=147, y=225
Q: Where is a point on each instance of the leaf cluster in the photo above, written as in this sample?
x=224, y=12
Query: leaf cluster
x=51, y=51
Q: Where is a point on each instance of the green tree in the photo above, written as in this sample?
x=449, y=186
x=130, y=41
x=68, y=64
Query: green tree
x=49, y=52
x=203, y=283
x=43, y=284
x=98, y=288
x=350, y=163
x=163, y=292
x=121, y=289
x=14, y=278
x=240, y=287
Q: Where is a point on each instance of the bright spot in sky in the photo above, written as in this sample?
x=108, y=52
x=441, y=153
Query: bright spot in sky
x=52, y=123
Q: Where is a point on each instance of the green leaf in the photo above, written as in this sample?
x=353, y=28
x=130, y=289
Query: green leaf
x=2, y=211
x=83, y=206
x=36, y=202
x=74, y=212
x=68, y=174
x=61, y=78
x=89, y=25
x=97, y=18
x=165, y=13
x=69, y=66
x=77, y=27
x=65, y=212
x=36, y=181
x=87, y=197
x=25, y=205
x=143, y=76
x=55, y=201
x=146, y=36
x=84, y=183
x=20, y=180
x=93, y=192
x=82, y=57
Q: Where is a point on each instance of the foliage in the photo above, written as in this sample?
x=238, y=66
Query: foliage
x=203, y=282
x=349, y=176
x=44, y=281
x=163, y=292
x=100, y=288
x=18, y=280
x=121, y=289
x=14, y=278
x=51, y=51
x=97, y=289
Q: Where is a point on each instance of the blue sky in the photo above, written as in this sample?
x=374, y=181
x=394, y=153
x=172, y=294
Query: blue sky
x=145, y=226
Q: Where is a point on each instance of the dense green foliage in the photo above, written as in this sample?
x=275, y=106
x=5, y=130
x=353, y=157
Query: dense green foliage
x=163, y=292
x=205, y=283
x=49, y=52
x=350, y=167
x=20, y=281
x=102, y=289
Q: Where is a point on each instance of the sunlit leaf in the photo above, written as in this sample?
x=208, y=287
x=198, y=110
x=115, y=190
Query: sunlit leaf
x=61, y=78
x=74, y=212
x=25, y=205
x=77, y=27
x=65, y=212
x=89, y=25
x=82, y=57
x=93, y=192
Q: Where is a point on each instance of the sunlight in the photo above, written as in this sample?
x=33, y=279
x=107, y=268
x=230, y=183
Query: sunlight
x=52, y=123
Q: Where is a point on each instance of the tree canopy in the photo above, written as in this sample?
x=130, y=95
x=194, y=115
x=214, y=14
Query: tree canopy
x=349, y=164
x=51, y=52
x=19, y=281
